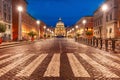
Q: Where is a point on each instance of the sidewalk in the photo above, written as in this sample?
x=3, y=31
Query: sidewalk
x=11, y=44
x=14, y=43
x=8, y=43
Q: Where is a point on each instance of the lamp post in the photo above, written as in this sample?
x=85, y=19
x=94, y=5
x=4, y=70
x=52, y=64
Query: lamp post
x=76, y=27
x=44, y=31
x=20, y=9
x=104, y=9
x=84, y=23
x=73, y=32
x=38, y=23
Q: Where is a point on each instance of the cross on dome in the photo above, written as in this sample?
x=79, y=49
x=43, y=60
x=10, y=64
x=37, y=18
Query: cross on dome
x=60, y=19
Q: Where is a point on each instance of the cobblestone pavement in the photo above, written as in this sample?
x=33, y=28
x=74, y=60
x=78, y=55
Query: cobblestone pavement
x=58, y=59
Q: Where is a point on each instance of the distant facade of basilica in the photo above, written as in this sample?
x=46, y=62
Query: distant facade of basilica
x=60, y=30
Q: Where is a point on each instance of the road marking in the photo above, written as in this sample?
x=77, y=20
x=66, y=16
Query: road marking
x=105, y=71
x=107, y=61
x=53, y=69
x=5, y=55
x=114, y=57
x=11, y=66
x=77, y=68
x=10, y=58
x=32, y=66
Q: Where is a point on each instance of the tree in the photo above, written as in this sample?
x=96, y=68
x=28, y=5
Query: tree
x=32, y=34
x=89, y=33
x=2, y=28
x=77, y=35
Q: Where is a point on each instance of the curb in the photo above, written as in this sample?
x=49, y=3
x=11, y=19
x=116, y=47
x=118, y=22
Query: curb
x=14, y=44
x=2, y=46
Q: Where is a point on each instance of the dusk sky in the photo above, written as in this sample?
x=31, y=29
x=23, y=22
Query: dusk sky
x=69, y=10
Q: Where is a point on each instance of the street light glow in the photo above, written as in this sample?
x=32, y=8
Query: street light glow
x=20, y=9
x=84, y=21
x=76, y=26
x=73, y=29
x=38, y=22
x=44, y=27
x=48, y=29
x=104, y=7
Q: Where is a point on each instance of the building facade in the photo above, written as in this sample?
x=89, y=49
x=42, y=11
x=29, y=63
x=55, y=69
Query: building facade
x=107, y=24
x=28, y=23
x=70, y=32
x=6, y=18
x=85, y=27
x=50, y=32
x=42, y=30
x=60, y=29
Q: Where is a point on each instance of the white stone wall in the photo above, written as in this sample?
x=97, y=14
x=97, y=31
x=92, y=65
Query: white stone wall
x=111, y=23
x=111, y=28
x=6, y=18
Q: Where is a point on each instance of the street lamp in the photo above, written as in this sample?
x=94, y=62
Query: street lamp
x=76, y=27
x=44, y=27
x=104, y=9
x=73, y=29
x=20, y=9
x=84, y=23
x=44, y=30
x=48, y=29
x=38, y=23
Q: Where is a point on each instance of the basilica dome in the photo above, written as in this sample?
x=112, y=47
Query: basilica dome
x=60, y=29
x=60, y=23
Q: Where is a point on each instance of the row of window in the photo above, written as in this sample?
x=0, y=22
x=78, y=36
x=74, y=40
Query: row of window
x=8, y=26
x=98, y=22
x=109, y=17
x=108, y=31
x=7, y=11
x=97, y=32
x=6, y=37
x=7, y=17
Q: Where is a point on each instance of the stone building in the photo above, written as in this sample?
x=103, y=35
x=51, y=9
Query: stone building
x=85, y=27
x=6, y=18
x=107, y=24
x=42, y=30
x=28, y=21
x=60, y=30
x=70, y=32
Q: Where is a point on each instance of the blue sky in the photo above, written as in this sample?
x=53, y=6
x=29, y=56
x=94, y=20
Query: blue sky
x=69, y=10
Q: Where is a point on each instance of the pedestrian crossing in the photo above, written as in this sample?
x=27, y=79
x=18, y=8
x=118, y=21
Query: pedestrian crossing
x=106, y=72
x=28, y=70
x=53, y=68
x=4, y=55
x=107, y=61
x=14, y=64
x=77, y=68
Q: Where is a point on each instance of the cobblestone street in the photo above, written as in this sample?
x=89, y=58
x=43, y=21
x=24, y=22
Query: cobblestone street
x=58, y=59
